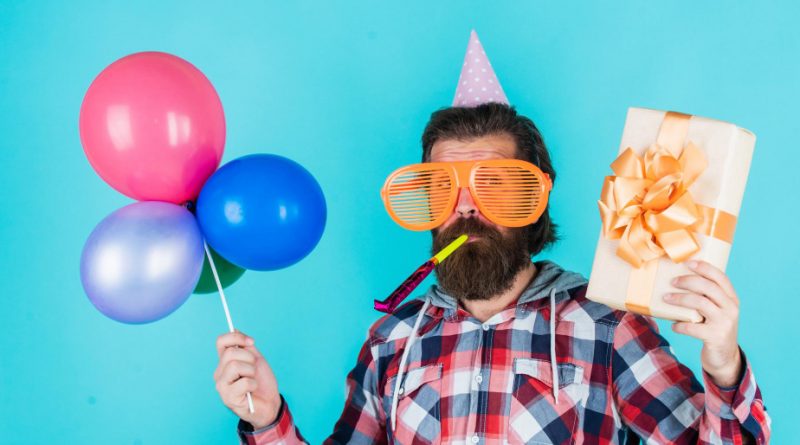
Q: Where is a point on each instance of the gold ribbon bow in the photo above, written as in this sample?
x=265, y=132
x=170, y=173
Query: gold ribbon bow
x=648, y=207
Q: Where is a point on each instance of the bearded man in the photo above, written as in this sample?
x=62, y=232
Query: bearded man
x=509, y=350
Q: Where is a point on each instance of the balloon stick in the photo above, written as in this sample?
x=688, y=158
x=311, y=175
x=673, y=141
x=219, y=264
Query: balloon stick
x=225, y=307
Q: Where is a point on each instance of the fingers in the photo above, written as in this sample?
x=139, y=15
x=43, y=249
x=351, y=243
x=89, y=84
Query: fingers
x=704, y=286
x=235, y=338
x=700, y=331
x=233, y=395
x=239, y=388
x=238, y=354
x=234, y=354
x=700, y=303
x=708, y=270
x=234, y=370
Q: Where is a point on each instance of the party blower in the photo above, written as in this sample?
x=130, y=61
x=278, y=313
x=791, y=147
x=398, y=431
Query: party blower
x=392, y=301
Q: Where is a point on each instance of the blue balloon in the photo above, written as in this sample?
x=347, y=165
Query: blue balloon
x=262, y=212
x=142, y=261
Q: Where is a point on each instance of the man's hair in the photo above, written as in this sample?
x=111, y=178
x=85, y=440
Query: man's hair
x=466, y=123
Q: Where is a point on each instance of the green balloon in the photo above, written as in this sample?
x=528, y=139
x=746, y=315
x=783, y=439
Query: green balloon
x=228, y=274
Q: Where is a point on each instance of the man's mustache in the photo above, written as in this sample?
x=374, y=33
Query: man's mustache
x=469, y=226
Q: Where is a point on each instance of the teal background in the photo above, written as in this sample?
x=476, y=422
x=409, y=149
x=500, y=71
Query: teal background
x=345, y=88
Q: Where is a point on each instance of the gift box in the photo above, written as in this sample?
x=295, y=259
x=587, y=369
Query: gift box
x=675, y=196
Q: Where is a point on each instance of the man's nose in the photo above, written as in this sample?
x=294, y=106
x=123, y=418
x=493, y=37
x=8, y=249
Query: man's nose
x=465, y=206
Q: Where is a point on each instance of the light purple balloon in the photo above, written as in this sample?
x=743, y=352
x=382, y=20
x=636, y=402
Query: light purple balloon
x=142, y=261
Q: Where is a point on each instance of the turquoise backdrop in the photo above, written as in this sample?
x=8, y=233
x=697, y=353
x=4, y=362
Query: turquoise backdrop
x=345, y=88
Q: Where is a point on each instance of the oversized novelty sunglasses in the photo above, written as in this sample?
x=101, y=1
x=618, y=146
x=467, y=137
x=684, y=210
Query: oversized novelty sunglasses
x=508, y=192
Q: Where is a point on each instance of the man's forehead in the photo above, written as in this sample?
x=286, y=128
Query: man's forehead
x=484, y=147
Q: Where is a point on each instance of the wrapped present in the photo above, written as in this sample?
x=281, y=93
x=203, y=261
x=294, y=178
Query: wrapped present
x=675, y=196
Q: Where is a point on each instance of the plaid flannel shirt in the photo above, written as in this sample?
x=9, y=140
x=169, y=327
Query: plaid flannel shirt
x=469, y=382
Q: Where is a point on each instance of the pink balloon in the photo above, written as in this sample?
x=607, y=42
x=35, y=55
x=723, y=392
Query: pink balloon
x=152, y=127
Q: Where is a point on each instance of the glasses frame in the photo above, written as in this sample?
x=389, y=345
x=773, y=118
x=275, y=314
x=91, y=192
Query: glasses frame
x=462, y=175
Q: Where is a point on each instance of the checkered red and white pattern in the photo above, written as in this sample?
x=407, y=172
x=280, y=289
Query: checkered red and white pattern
x=490, y=383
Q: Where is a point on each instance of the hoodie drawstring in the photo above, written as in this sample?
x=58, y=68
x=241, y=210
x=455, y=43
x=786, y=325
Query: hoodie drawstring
x=413, y=337
x=553, y=359
x=403, y=360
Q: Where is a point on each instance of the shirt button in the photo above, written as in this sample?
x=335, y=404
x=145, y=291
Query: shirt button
x=400, y=391
x=485, y=328
x=476, y=439
x=479, y=378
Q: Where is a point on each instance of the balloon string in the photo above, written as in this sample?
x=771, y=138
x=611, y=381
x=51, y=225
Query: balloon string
x=225, y=307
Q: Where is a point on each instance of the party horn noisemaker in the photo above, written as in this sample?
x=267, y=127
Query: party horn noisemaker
x=392, y=301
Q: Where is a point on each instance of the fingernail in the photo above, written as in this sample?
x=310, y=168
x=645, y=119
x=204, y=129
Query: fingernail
x=667, y=297
x=691, y=264
x=250, y=341
x=675, y=281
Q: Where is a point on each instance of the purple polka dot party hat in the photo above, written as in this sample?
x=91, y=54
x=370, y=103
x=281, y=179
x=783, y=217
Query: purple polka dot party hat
x=477, y=84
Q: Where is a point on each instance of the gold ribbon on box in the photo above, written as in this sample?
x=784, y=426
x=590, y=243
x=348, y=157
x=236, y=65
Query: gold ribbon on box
x=647, y=206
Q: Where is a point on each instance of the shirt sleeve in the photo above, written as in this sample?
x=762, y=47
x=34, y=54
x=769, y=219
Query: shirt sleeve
x=662, y=401
x=281, y=431
x=361, y=422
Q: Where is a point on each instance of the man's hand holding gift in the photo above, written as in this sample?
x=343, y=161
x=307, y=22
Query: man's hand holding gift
x=711, y=293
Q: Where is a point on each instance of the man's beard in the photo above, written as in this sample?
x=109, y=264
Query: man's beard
x=485, y=267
